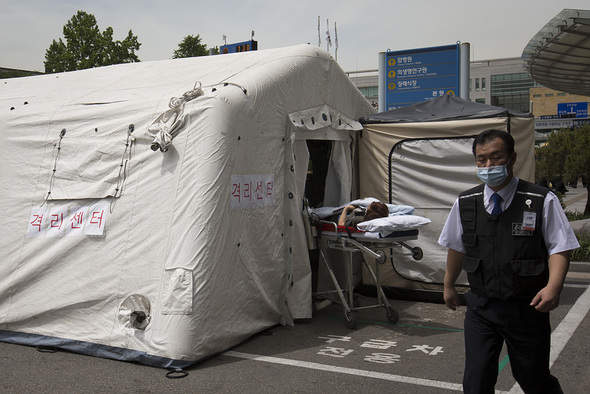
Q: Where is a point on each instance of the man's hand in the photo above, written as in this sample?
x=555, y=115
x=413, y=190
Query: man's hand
x=451, y=298
x=450, y=295
x=546, y=299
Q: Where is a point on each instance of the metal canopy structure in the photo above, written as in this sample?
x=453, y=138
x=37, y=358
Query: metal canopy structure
x=558, y=56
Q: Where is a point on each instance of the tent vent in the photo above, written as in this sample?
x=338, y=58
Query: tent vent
x=134, y=312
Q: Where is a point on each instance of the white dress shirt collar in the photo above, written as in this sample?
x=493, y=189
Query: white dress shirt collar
x=507, y=194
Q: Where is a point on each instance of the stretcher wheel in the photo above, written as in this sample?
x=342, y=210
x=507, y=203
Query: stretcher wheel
x=392, y=315
x=417, y=253
x=381, y=258
x=350, y=320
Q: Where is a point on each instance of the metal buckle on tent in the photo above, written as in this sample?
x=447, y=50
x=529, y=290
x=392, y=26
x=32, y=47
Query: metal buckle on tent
x=46, y=349
x=177, y=373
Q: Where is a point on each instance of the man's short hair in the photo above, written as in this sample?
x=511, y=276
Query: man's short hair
x=489, y=135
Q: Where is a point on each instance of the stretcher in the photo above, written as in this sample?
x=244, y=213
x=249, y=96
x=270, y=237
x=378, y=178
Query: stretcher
x=370, y=244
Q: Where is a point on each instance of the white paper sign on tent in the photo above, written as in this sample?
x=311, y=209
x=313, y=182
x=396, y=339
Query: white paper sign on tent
x=37, y=222
x=252, y=191
x=68, y=220
x=97, y=217
x=57, y=221
x=76, y=220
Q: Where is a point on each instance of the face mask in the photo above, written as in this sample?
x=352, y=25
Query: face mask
x=492, y=176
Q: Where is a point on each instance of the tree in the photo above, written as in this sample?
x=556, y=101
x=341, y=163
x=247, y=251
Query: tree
x=86, y=47
x=190, y=47
x=566, y=156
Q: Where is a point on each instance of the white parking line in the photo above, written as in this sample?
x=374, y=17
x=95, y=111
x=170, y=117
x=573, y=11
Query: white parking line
x=559, y=338
x=564, y=331
x=348, y=371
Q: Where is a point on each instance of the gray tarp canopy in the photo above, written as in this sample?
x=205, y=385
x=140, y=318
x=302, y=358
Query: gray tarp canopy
x=420, y=155
x=440, y=109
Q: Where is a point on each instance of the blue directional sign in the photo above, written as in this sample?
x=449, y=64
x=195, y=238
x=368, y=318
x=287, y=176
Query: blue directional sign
x=245, y=46
x=418, y=75
x=578, y=110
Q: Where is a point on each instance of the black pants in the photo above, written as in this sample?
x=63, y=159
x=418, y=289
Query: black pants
x=489, y=323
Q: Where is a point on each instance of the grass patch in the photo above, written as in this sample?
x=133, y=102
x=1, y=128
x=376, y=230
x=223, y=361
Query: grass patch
x=573, y=216
x=583, y=253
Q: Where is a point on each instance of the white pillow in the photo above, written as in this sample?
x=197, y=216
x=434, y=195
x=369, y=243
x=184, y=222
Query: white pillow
x=393, y=223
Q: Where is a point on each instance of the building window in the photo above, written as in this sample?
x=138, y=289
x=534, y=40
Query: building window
x=511, y=91
x=561, y=94
x=548, y=94
x=483, y=84
x=480, y=100
x=477, y=84
x=370, y=91
x=537, y=95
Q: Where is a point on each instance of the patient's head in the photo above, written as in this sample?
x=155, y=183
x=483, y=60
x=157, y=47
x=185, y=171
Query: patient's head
x=376, y=210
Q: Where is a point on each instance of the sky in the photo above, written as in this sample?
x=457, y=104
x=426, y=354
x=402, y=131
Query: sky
x=494, y=29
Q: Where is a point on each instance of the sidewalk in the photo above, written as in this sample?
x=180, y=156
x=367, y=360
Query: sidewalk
x=575, y=198
x=575, y=201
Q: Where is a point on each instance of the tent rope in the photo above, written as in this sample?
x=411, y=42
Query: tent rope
x=166, y=126
x=56, y=151
x=123, y=167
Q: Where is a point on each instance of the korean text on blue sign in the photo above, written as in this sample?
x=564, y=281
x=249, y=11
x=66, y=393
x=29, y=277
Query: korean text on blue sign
x=579, y=109
x=418, y=75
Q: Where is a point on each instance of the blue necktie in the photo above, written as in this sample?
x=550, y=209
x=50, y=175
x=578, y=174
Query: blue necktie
x=497, y=199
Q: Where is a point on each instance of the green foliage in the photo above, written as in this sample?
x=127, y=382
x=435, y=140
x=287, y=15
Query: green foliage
x=583, y=253
x=86, y=47
x=190, y=47
x=10, y=73
x=573, y=216
x=565, y=156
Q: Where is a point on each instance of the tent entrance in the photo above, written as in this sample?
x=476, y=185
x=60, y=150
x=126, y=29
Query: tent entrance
x=317, y=171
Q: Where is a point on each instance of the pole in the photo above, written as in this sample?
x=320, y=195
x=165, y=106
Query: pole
x=464, y=66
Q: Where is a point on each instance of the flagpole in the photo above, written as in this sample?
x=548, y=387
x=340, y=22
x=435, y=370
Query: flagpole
x=319, y=34
x=328, y=39
x=336, y=39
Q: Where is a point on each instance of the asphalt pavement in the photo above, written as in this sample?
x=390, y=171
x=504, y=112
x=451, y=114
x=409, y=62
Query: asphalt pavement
x=421, y=353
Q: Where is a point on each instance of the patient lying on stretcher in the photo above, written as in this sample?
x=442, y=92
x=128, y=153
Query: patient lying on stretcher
x=375, y=219
x=352, y=214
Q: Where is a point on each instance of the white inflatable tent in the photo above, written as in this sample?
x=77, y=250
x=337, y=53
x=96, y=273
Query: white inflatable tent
x=153, y=210
x=420, y=155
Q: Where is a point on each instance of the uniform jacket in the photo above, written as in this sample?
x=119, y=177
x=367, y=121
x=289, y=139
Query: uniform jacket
x=503, y=259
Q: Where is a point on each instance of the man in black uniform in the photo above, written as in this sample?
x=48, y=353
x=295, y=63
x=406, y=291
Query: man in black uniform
x=514, y=241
